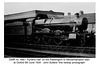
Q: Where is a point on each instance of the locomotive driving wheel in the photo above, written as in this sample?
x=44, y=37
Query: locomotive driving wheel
x=47, y=40
x=57, y=41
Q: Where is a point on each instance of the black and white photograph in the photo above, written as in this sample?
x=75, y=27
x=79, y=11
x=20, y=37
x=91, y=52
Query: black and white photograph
x=49, y=30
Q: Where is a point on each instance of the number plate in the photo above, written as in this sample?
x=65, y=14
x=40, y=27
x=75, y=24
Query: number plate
x=72, y=36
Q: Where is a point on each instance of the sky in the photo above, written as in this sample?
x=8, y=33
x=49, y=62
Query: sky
x=72, y=7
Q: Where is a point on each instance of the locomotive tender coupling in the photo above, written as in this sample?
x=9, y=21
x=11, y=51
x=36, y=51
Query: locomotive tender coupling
x=49, y=28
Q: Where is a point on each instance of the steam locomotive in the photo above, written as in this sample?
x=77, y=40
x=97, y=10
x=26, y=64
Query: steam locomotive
x=47, y=28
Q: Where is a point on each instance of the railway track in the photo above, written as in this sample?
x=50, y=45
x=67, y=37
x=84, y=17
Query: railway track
x=38, y=50
x=22, y=52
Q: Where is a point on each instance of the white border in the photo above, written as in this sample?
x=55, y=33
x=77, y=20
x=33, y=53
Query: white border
x=4, y=61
